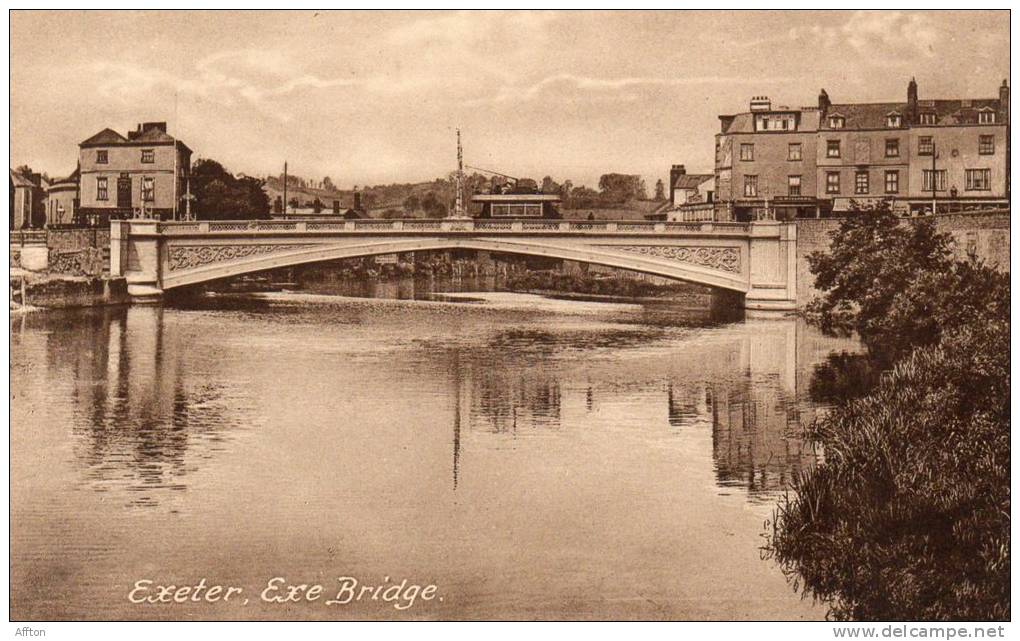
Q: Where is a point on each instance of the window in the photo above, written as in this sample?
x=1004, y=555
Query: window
x=793, y=153
x=861, y=182
x=102, y=193
x=832, y=149
x=892, y=182
x=893, y=120
x=148, y=156
x=102, y=156
x=986, y=145
x=925, y=146
x=793, y=183
x=746, y=151
x=940, y=180
x=832, y=182
x=765, y=122
x=979, y=179
x=986, y=117
x=836, y=122
x=148, y=189
x=892, y=147
x=928, y=118
x=750, y=186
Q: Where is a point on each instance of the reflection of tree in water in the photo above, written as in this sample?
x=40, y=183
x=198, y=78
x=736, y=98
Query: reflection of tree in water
x=138, y=426
x=757, y=439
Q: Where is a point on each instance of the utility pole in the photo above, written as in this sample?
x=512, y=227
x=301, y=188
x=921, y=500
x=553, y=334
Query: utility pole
x=934, y=179
x=285, y=187
x=458, y=207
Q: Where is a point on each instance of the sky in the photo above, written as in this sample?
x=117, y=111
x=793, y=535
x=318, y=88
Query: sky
x=376, y=97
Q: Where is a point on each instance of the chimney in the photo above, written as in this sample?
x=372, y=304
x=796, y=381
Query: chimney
x=357, y=201
x=336, y=206
x=823, y=101
x=1004, y=101
x=912, y=101
x=675, y=172
x=761, y=103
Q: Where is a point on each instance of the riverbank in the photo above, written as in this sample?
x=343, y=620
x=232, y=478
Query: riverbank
x=30, y=291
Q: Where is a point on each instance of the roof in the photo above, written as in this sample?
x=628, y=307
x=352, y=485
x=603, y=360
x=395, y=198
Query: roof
x=692, y=181
x=511, y=198
x=20, y=181
x=875, y=114
x=863, y=115
x=152, y=136
x=105, y=137
x=743, y=123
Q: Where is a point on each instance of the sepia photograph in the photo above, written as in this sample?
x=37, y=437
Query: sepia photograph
x=518, y=315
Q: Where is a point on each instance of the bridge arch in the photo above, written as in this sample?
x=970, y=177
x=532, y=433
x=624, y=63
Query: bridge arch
x=182, y=273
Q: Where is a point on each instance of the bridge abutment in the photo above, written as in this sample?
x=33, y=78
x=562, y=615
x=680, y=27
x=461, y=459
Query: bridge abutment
x=772, y=269
x=135, y=248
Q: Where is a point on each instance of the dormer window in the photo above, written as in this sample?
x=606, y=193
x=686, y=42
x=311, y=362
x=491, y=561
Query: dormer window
x=836, y=122
x=986, y=117
x=928, y=118
x=893, y=120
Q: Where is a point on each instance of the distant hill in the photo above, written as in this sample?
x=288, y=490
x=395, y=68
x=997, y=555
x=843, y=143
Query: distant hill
x=434, y=199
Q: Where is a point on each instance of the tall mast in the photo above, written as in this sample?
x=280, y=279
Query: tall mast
x=458, y=208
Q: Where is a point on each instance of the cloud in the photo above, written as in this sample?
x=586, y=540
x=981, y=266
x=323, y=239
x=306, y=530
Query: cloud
x=226, y=78
x=880, y=37
x=565, y=86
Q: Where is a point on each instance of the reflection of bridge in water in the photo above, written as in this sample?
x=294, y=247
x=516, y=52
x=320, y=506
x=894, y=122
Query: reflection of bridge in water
x=757, y=259
x=739, y=392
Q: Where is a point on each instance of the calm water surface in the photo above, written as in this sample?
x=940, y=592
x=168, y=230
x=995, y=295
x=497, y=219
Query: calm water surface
x=532, y=458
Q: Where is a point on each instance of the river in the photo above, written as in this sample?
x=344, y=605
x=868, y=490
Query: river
x=529, y=457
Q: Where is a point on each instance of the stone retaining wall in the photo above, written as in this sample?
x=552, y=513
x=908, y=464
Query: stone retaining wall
x=983, y=233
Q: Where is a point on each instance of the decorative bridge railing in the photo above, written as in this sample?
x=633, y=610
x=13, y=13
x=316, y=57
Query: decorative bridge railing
x=446, y=225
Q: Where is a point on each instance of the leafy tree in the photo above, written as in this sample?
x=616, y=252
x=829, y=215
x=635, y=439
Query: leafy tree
x=565, y=189
x=221, y=196
x=411, y=204
x=874, y=260
x=660, y=190
x=549, y=186
x=619, y=188
x=908, y=517
x=328, y=185
x=584, y=197
x=432, y=207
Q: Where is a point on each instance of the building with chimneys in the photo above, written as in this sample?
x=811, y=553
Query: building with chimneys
x=691, y=194
x=145, y=173
x=812, y=161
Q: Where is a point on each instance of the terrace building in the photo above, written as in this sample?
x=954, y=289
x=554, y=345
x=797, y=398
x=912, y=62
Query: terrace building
x=811, y=161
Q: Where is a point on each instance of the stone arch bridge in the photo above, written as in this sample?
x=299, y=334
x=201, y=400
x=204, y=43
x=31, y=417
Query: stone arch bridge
x=756, y=259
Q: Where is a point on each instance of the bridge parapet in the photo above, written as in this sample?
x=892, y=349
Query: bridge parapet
x=418, y=225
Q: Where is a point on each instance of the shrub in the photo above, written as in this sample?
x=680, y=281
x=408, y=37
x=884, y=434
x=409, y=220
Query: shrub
x=908, y=518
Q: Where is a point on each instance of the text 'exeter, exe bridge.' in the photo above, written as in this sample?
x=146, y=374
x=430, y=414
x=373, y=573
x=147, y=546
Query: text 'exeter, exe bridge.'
x=756, y=259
